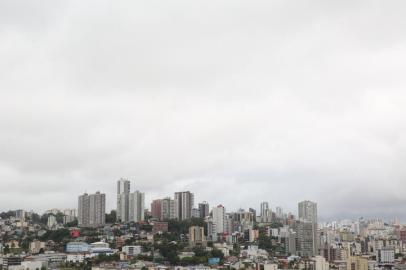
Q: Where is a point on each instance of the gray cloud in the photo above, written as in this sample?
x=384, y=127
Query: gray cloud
x=237, y=101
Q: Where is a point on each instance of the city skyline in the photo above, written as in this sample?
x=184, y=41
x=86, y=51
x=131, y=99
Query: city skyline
x=240, y=102
x=299, y=212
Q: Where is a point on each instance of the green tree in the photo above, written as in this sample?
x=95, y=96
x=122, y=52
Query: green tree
x=112, y=217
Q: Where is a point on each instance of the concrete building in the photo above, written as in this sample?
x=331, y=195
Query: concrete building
x=77, y=247
x=91, y=210
x=184, y=202
x=305, y=236
x=204, y=209
x=196, y=236
x=195, y=213
x=36, y=246
x=136, y=206
x=123, y=191
x=11, y=261
x=266, y=213
x=159, y=227
x=308, y=211
x=70, y=212
x=279, y=212
x=132, y=250
x=156, y=209
x=357, y=263
x=308, y=215
x=52, y=222
x=68, y=219
x=20, y=215
x=385, y=255
x=167, y=209
x=219, y=214
x=253, y=235
x=320, y=263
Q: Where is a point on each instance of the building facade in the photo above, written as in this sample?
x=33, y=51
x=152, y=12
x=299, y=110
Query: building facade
x=91, y=210
x=184, y=202
x=123, y=191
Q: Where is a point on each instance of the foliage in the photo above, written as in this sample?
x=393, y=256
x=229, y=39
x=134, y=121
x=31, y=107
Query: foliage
x=106, y=258
x=72, y=224
x=7, y=215
x=169, y=250
x=112, y=217
x=182, y=227
x=56, y=236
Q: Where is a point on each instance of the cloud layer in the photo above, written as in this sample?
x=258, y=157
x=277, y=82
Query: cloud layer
x=240, y=102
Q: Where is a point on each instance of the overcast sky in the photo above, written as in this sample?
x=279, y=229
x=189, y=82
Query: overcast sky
x=237, y=101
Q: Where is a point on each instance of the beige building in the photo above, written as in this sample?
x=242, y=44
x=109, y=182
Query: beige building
x=320, y=263
x=35, y=246
x=357, y=263
x=196, y=236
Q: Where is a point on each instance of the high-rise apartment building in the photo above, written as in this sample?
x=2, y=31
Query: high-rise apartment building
x=306, y=239
x=20, y=215
x=203, y=209
x=91, y=210
x=266, y=213
x=167, y=209
x=195, y=213
x=184, y=202
x=219, y=214
x=123, y=192
x=130, y=206
x=136, y=206
x=308, y=211
x=279, y=212
x=156, y=209
x=308, y=220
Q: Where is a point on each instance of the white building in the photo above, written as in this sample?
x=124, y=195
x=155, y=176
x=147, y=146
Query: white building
x=385, y=255
x=136, y=206
x=219, y=214
x=123, y=191
x=52, y=222
x=132, y=250
x=270, y=266
x=320, y=263
x=266, y=213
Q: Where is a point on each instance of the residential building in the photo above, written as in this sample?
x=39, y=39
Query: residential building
x=320, y=263
x=306, y=239
x=52, y=222
x=204, y=209
x=159, y=227
x=308, y=215
x=266, y=213
x=167, y=209
x=184, y=202
x=132, y=250
x=219, y=214
x=156, y=208
x=385, y=255
x=357, y=263
x=91, y=210
x=136, y=206
x=123, y=191
x=20, y=215
x=196, y=236
x=36, y=246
